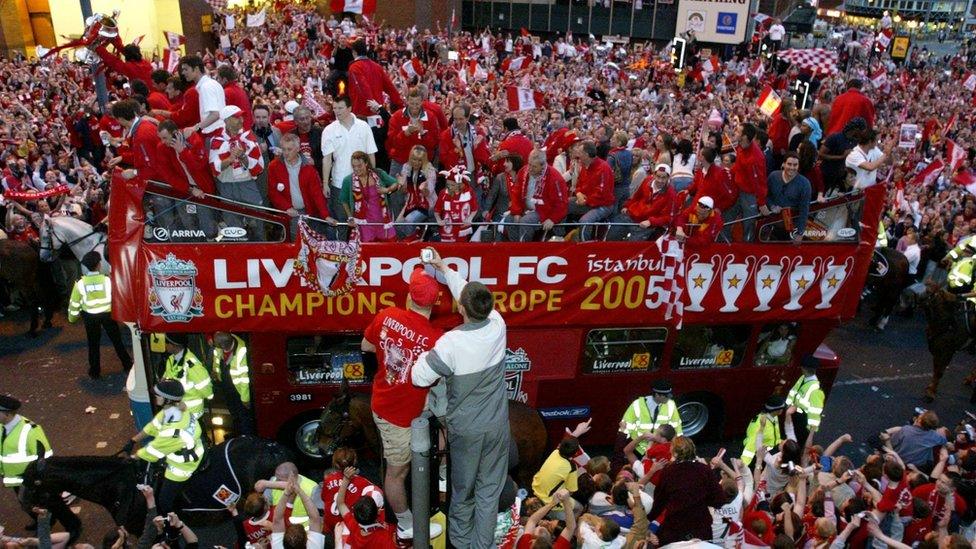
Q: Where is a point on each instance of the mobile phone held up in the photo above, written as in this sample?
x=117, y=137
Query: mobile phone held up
x=426, y=255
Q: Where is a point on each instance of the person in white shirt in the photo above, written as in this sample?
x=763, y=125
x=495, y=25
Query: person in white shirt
x=776, y=34
x=912, y=252
x=211, y=94
x=866, y=158
x=346, y=135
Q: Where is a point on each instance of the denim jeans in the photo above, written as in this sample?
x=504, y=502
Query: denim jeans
x=587, y=215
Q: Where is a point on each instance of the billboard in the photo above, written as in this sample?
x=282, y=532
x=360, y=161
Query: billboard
x=722, y=21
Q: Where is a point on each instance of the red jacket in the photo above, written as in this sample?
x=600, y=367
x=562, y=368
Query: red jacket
x=517, y=143
x=442, y=120
x=188, y=112
x=133, y=70
x=368, y=80
x=159, y=100
x=451, y=155
x=715, y=182
x=398, y=143
x=309, y=182
x=749, y=172
x=235, y=95
x=779, y=134
x=700, y=231
x=194, y=159
x=596, y=183
x=142, y=149
x=656, y=207
x=551, y=195
x=847, y=106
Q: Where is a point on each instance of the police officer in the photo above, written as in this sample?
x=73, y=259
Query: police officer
x=647, y=413
x=21, y=442
x=232, y=376
x=959, y=262
x=91, y=299
x=184, y=366
x=175, y=437
x=806, y=401
x=766, y=422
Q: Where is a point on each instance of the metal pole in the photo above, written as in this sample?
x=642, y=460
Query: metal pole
x=610, y=26
x=569, y=20
x=633, y=6
x=653, y=21
x=420, y=481
x=589, y=17
x=549, y=18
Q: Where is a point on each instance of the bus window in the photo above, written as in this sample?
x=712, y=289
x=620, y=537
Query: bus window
x=617, y=350
x=326, y=360
x=775, y=344
x=699, y=347
x=831, y=223
x=182, y=221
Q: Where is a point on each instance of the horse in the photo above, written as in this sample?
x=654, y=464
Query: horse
x=19, y=266
x=110, y=481
x=945, y=333
x=60, y=231
x=887, y=277
x=347, y=420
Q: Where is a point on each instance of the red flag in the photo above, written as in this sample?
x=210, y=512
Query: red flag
x=929, y=174
x=362, y=7
x=769, y=101
x=879, y=77
x=476, y=71
x=309, y=102
x=757, y=69
x=523, y=99
x=516, y=64
x=952, y=122
x=412, y=68
x=956, y=155
x=138, y=40
x=524, y=32
x=171, y=58
x=174, y=40
x=883, y=39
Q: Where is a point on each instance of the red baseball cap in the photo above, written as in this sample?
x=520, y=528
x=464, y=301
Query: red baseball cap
x=423, y=288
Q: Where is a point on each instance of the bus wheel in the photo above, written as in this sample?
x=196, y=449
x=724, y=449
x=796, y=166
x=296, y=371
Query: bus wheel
x=701, y=415
x=301, y=434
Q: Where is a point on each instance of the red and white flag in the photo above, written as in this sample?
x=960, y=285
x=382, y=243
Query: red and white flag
x=710, y=65
x=955, y=154
x=969, y=81
x=171, y=58
x=928, y=175
x=217, y=4
x=257, y=19
x=412, y=69
x=883, y=39
x=138, y=40
x=769, y=101
x=967, y=179
x=879, y=77
x=674, y=270
x=523, y=99
x=516, y=64
x=951, y=124
x=309, y=102
x=757, y=69
x=475, y=71
x=174, y=40
x=362, y=7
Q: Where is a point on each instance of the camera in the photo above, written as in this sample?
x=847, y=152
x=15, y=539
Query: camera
x=426, y=255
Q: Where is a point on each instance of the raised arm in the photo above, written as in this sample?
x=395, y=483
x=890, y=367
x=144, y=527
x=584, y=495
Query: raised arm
x=835, y=445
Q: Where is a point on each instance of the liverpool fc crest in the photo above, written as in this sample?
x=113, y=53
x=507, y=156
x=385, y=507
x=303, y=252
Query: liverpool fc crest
x=174, y=295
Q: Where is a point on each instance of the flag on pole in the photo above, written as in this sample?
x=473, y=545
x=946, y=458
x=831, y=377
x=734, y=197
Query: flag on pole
x=413, y=68
x=879, y=77
x=362, y=7
x=969, y=81
x=171, y=58
x=174, y=40
x=523, y=99
x=927, y=176
x=951, y=124
x=769, y=101
x=673, y=261
x=257, y=19
x=757, y=70
x=516, y=63
x=883, y=39
x=229, y=22
x=309, y=102
x=138, y=40
x=476, y=71
x=955, y=154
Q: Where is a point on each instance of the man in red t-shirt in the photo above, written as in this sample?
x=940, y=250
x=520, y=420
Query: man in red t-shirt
x=358, y=487
x=398, y=336
x=366, y=529
x=658, y=452
x=534, y=532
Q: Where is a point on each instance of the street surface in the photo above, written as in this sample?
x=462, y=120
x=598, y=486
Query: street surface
x=879, y=385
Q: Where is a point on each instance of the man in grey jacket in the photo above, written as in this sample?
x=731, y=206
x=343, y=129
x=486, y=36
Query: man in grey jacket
x=471, y=360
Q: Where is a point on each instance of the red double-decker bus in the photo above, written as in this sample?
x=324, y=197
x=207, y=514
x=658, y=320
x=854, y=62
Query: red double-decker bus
x=591, y=325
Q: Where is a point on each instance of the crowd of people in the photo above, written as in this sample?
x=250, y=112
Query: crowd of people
x=386, y=134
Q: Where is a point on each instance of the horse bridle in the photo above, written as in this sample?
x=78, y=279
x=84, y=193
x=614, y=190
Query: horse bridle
x=54, y=236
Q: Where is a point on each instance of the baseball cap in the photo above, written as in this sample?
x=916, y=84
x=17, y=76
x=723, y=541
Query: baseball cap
x=707, y=202
x=663, y=167
x=229, y=111
x=423, y=288
x=291, y=106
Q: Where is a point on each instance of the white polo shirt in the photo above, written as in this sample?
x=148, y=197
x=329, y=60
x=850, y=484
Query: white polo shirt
x=863, y=178
x=341, y=143
x=776, y=32
x=211, y=99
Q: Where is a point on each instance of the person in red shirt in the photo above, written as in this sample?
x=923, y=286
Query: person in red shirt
x=659, y=452
x=749, y=176
x=134, y=67
x=368, y=80
x=306, y=187
x=539, y=196
x=456, y=207
x=433, y=107
x=142, y=139
x=514, y=141
x=366, y=528
x=256, y=522
x=183, y=164
x=699, y=224
x=779, y=131
x=410, y=126
x=714, y=181
x=234, y=94
x=463, y=143
x=398, y=336
x=594, y=201
x=652, y=207
x=342, y=459
x=936, y=494
x=536, y=536
x=157, y=98
x=848, y=106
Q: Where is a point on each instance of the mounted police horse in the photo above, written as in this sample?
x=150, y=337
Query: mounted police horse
x=949, y=328
x=235, y=464
x=19, y=267
x=62, y=232
x=887, y=278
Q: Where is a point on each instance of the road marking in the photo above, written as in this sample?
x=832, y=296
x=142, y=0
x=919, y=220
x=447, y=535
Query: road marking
x=101, y=445
x=882, y=379
x=113, y=416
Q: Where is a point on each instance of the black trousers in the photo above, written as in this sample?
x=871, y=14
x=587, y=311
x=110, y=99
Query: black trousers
x=93, y=329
